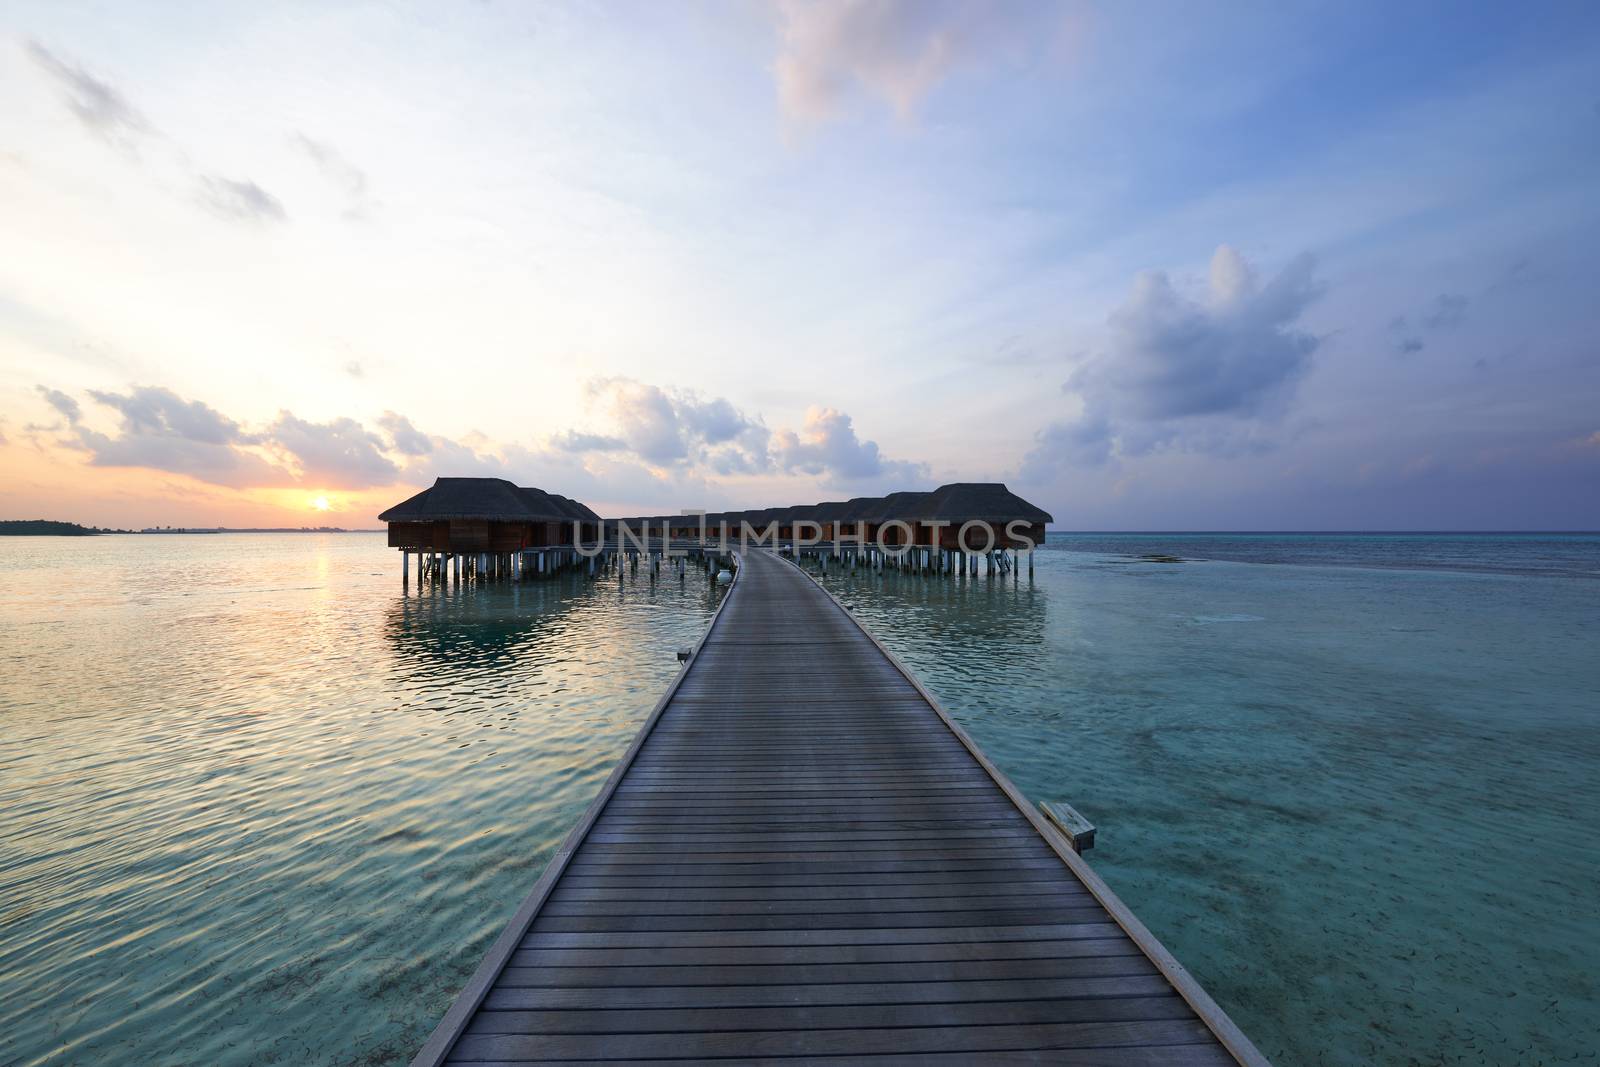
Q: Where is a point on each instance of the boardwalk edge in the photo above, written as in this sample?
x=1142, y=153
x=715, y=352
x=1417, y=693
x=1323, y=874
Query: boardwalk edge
x=1187, y=986
x=455, y=1020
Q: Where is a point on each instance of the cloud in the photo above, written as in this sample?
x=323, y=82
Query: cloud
x=343, y=175
x=894, y=49
x=646, y=418
x=339, y=454
x=1449, y=309
x=104, y=111
x=162, y=431
x=827, y=444
x=666, y=447
x=573, y=441
x=242, y=201
x=63, y=403
x=1171, y=357
x=681, y=429
x=1186, y=373
x=101, y=108
x=1084, y=442
x=161, y=412
x=355, y=369
x=713, y=421
x=404, y=437
x=667, y=427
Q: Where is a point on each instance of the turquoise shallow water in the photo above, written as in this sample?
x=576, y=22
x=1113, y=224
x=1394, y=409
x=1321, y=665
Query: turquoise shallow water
x=259, y=806
x=1358, y=801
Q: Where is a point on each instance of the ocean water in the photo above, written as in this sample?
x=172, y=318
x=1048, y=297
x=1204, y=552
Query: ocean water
x=1352, y=782
x=258, y=804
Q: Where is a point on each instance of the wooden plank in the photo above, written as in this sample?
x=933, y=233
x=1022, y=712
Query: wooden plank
x=759, y=955
x=957, y=978
x=779, y=938
x=830, y=1042
x=559, y=904
x=1209, y=1055
x=791, y=1008
x=980, y=875
x=1030, y=915
x=772, y=896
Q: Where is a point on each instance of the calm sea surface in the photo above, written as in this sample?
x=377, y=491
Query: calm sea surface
x=259, y=805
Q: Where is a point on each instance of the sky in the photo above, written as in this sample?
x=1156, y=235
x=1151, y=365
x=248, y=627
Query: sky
x=1243, y=266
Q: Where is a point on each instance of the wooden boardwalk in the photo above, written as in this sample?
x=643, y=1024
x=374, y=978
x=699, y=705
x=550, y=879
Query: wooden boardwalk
x=802, y=859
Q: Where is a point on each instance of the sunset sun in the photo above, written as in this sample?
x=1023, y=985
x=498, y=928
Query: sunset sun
x=320, y=504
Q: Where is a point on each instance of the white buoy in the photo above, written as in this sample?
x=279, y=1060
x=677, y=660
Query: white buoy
x=724, y=576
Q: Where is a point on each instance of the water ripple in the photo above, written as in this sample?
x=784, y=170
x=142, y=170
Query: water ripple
x=257, y=806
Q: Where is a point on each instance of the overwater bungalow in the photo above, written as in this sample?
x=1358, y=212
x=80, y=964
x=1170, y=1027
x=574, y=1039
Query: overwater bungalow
x=475, y=515
x=792, y=518
x=853, y=516
x=500, y=523
x=893, y=520
x=684, y=526
x=827, y=514
x=587, y=521
x=990, y=507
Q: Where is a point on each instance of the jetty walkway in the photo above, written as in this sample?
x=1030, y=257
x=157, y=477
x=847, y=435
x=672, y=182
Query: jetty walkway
x=801, y=858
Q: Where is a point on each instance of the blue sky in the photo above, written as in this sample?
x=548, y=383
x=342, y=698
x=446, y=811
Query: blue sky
x=1154, y=265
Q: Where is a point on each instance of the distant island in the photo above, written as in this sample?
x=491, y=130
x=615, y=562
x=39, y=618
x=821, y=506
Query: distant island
x=248, y=529
x=49, y=528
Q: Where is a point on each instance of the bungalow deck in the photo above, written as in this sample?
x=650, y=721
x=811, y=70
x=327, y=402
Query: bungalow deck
x=801, y=858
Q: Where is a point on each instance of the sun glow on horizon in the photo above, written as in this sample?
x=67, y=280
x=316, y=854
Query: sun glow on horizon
x=321, y=503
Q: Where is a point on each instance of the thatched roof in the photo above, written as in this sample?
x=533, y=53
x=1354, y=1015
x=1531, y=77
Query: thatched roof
x=494, y=499
x=908, y=506
x=859, y=508
x=960, y=501
x=760, y=518
x=544, y=503
x=574, y=509
x=954, y=503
